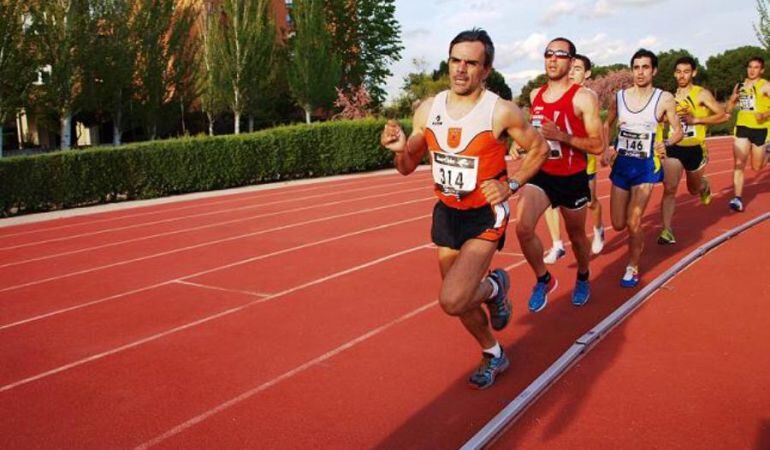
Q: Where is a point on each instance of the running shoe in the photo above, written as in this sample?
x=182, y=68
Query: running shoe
x=581, y=294
x=539, y=297
x=597, y=245
x=736, y=204
x=705, y=195
x=488, y=370
x=666, y=237
x=630, y=278
x=499, y=307
x=554, y=254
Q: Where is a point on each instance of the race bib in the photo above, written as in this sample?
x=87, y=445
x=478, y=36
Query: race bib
x=635, y=142
x=455, y=174
x=553, y=146
x=687, y=129
x=747, y=101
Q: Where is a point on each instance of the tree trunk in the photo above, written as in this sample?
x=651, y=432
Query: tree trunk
x=211, y=123
x=116, y=131
x=307, y=114
x=237, y=123
x=251, y=124
x=66, y=130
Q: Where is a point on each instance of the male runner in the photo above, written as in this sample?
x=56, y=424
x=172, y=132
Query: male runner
x=464, y=129
x=638, y=110
x=753, y=98
x=696, y=108
x=568, y=117
x=579, y=73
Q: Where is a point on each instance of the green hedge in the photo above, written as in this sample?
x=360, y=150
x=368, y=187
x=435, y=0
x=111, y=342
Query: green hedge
x=154, y=169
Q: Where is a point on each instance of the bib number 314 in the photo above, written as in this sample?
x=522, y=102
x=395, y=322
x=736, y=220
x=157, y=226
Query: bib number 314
x=454, y=174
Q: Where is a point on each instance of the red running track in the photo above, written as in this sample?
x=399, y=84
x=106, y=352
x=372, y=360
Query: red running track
x=287, y=318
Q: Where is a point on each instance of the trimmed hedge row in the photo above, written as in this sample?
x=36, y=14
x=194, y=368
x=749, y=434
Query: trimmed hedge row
x=160, y=168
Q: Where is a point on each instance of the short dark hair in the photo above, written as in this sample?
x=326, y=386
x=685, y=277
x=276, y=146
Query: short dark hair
x=687, y=60
x=586, y=61
x=644, y=53
x=572, y=49
x=477, y=35
x=758, y=59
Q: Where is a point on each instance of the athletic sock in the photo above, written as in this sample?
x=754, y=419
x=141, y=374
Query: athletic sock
x=495, y=288
x=545, y=278
x=558, y=244
x=495, y=350
x=598, y=230
x=583, y=276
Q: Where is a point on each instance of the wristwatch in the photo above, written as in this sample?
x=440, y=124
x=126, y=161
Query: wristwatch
x=513, y=185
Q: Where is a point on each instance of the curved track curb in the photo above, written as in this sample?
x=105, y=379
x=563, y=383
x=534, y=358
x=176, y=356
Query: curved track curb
x=508, y=415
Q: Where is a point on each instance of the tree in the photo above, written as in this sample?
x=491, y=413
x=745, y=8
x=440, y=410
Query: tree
x=314, y=70
x=536, y=82
x=16, y=64
x=212, y=83
x=165, y=58
x=762, y=29
x=728, y=68
x=600, y=71
x=606, y=86
x=667, y=65
x=109, y=72
x=247, y=35
x=59, y=27
x=367, y=37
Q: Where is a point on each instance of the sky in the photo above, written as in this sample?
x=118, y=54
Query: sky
x=607, y=31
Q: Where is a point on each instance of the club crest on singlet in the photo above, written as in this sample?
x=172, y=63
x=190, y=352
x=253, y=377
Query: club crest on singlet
x=454, y=137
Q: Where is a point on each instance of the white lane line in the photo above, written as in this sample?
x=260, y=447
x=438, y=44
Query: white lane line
x=291, y=211
x=217, y=288
x=286, y=375
x=209, y=243
x=206, y=319
x=193, y=275
x=209, y=213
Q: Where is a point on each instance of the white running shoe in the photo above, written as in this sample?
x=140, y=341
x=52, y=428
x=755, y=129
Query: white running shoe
x=598, y=242
x=554, y=254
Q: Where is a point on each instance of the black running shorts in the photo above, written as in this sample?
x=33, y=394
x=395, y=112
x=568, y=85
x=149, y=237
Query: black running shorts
x=757, y=136
x=567, y=191
x=692, y=157
x=453, y=227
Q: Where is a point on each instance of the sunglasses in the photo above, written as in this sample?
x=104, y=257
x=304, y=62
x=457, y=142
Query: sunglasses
x=557, y=53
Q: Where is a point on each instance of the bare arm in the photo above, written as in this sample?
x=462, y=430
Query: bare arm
x=587, y=107
x=408, y=152
x=762, y=117
x=612, y=116
x=732, y=101
x=511, y=119
x=669, y=112
x=717, y=111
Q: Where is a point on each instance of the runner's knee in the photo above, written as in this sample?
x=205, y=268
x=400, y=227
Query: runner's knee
x=452, y=302
x=525, y=231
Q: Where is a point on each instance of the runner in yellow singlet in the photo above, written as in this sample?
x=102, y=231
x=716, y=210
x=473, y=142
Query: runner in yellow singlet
x=697, y=109
x=752, y=96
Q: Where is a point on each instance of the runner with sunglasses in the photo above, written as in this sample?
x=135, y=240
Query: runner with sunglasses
x=567, y=115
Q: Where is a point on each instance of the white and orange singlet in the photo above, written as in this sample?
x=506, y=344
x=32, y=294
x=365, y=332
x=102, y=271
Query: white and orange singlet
x=464, y=152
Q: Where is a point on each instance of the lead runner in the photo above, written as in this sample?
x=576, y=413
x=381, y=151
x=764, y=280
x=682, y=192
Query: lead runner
x=464, y=129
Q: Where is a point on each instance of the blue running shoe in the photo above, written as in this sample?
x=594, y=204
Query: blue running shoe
x=581, y=294
x=736, y=204
x=488, y=370
x=499, y=306
x=539, y=297
x=630, y=278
